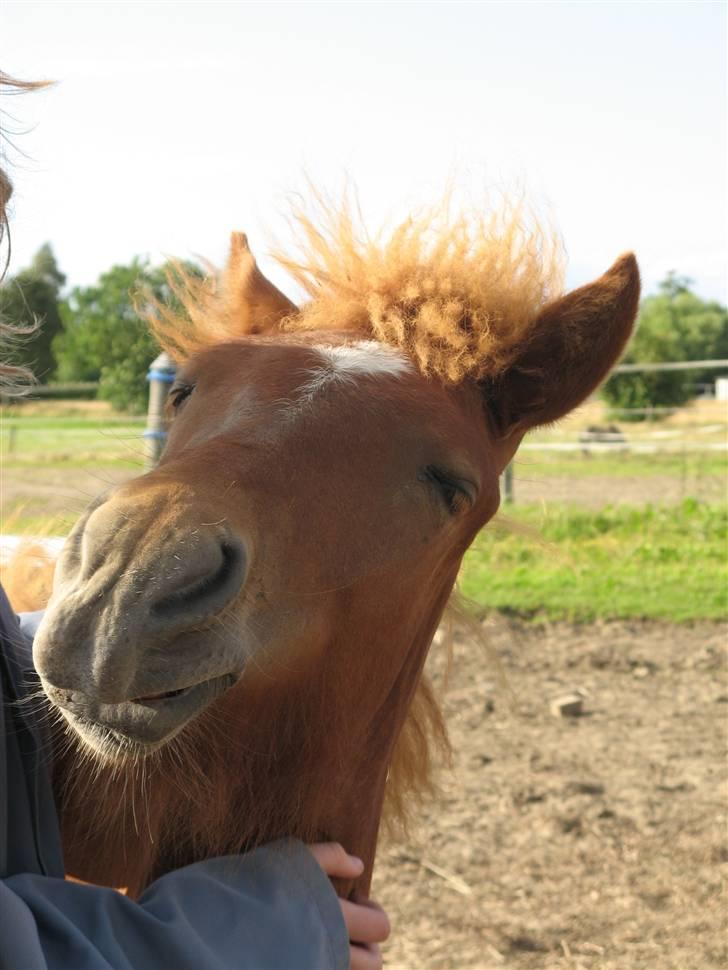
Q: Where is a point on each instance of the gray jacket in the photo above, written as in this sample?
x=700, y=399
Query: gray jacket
x=272, y=909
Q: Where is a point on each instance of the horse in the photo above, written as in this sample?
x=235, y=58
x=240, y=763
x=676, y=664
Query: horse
x=235, y=641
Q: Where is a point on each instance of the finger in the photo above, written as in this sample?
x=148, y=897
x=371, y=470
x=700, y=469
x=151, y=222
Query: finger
x=365, y=957
x=336, y=861
x=365, y=922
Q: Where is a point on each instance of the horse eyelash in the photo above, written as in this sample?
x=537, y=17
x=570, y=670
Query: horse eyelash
x=451, y=491
x=179, y=393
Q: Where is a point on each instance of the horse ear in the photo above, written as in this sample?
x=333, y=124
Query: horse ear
x=256, y=305
x=574, y=342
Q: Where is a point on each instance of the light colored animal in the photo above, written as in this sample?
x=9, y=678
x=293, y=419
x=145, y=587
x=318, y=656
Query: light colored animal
x=27, y=576
x=236, y=639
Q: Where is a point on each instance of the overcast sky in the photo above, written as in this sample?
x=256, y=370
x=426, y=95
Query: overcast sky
x=173, y=123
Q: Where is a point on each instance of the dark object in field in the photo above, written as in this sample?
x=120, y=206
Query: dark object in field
x=611, y=436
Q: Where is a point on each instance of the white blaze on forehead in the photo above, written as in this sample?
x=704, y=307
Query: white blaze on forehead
x=364, y=357
x=339, y=364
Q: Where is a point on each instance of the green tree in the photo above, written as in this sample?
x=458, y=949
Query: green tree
x=30, y=300
x=103, y=338
x=44, y=265
x=673, y=325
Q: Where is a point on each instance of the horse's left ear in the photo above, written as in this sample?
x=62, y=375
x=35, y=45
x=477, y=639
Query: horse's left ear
x=255, y=304
x=574, y=343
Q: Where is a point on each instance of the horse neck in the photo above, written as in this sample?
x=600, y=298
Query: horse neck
x=306, y=759
x=365, y=775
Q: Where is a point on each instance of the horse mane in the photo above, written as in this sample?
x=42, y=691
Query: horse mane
x=457, y=293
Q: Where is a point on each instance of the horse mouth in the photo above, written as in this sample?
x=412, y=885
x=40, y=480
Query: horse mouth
x=166, y=695
x=205, y=690
x=143, y=724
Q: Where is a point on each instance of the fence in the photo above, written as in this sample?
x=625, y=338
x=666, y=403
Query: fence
x=686, y=451
x=591, y=458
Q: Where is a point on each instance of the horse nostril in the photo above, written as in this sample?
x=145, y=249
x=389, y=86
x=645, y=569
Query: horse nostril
x=209, y=593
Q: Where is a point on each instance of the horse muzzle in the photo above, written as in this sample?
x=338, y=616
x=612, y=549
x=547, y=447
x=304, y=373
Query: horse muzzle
x=140, y=725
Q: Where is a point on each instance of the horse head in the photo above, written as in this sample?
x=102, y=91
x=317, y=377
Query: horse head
x=262, y=602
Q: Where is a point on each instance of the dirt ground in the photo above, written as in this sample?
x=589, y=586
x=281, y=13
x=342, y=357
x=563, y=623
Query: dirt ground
x=55, y=490
x=596, y=841
x=599, y=490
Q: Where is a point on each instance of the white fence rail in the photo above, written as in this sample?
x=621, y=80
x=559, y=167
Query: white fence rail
x=672, y=365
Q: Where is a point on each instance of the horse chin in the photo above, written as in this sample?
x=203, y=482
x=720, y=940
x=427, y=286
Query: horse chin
x=133, y=730
x=110, y=746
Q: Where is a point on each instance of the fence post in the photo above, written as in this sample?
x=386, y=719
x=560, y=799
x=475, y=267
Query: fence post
x=507, y=483
x=160, y=377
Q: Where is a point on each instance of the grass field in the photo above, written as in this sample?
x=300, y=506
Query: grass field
x=69, y=439
x=648, y=562
x=689, y=464
x=623, y=535
x=62, y=437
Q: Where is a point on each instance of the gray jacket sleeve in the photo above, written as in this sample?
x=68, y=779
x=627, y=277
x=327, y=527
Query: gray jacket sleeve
x=272, y=909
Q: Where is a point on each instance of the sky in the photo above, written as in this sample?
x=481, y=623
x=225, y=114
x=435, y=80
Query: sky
x=171, y=124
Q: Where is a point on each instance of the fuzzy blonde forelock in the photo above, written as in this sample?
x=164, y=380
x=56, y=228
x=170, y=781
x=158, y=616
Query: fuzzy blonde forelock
x=456, y=293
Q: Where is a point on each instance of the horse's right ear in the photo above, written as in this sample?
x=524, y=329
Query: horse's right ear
x=256, y=305
x=572, y=345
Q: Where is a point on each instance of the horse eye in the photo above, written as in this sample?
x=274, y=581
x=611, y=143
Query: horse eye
x=179, y=393
x=453, y=493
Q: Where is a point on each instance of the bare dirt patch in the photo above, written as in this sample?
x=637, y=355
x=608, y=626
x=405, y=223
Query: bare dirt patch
x=56, y=491
x=695, y=413
x=97, y=410
x=596, y=841
x=599, y=490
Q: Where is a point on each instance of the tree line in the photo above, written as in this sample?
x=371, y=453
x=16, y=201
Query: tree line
x=673, y=325
x=93, y=333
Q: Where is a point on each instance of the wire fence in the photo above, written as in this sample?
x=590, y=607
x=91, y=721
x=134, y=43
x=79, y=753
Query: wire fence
x=53, y=451
x=617, y=454
x=595, y=459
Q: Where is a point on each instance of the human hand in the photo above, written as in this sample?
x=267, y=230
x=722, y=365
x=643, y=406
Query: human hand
x=366, y=922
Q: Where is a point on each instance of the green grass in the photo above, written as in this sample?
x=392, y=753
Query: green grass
x=655, y=562
x=58, y=437
x=70, y=440
x=538, y=465
x=577, y=564
x=33, y=423
x=98, y=459
x=649, y=562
